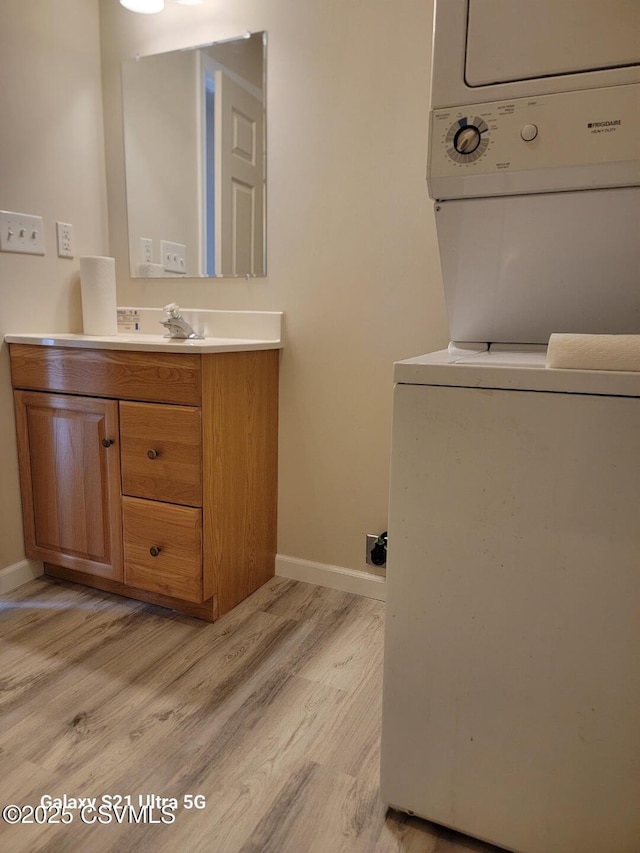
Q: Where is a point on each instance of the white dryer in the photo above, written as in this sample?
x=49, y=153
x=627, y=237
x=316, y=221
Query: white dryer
x=512, y=668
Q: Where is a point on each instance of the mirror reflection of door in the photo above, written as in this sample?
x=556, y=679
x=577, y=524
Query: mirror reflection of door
x=234, y=163
x=194, y=137
x=241, y=179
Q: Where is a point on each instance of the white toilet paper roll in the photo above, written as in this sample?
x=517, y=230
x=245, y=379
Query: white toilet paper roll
x=594, y=352
x=98, y=287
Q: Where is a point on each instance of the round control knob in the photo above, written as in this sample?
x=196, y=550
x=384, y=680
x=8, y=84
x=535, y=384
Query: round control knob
x=155, y=550
x=153, y=454
x=467, y=139
x=529, y=132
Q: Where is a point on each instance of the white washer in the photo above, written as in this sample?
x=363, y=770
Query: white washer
x=511, y=702
x=512, y=673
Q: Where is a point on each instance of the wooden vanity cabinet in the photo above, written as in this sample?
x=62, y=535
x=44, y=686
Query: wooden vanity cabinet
x=152, y=475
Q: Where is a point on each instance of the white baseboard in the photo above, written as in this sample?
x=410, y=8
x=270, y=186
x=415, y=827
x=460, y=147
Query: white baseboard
x=14, y=576
x=334, y=577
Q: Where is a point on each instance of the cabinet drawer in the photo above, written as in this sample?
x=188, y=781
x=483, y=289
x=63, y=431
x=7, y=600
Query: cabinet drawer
x=163, y=548
x=160, y=449
x=156, y=376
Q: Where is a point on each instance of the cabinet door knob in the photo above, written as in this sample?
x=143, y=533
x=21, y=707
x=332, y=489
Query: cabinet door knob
x=107, y=442
x=153, y=454
x=154, y=550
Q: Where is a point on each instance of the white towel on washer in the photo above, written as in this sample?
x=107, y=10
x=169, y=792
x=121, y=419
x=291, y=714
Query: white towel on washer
x=594, y=352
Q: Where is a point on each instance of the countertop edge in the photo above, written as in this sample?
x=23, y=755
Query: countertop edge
x=128, y=342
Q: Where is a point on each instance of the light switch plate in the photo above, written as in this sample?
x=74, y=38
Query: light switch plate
x=21, y=232
x=174, y=256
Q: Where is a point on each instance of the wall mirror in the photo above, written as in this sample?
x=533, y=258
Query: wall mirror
x=195, y=160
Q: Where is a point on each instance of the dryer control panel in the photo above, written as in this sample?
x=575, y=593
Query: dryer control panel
x=555, y=142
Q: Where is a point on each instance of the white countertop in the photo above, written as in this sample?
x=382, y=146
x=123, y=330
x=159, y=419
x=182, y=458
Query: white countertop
x=149, y=343
x=224, y=331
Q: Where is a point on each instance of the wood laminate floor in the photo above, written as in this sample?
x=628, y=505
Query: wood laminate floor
x=271, y=714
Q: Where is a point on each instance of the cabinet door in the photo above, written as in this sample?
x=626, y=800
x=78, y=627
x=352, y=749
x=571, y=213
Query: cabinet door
x=70, y=480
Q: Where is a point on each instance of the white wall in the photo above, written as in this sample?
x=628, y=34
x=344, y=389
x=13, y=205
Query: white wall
x=51, y=142
x=352, y=257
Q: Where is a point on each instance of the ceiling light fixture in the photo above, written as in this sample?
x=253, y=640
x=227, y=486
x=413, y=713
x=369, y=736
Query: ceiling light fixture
x=146, y=7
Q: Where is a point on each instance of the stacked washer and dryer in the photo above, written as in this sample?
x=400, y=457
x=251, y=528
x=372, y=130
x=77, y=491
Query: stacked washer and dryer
x=511, y=706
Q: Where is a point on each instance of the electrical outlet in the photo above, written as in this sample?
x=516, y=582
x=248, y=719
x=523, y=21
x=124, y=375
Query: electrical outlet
x=146, y=250
x=21, y=232
x=376, y=555
x=174, y=256
x=64, y=233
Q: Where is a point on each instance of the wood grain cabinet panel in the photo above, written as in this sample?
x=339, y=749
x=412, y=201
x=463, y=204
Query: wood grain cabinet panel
x=163, y=548
x=155, y=376
x=70, y=477
x=161, y=452
x=182, y=456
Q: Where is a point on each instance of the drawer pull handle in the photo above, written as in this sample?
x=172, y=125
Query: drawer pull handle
x=154, y=550
x=153, y=454
x=107, y=442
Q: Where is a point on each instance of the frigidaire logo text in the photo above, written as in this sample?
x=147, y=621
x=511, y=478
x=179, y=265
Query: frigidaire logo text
x=605, y=123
